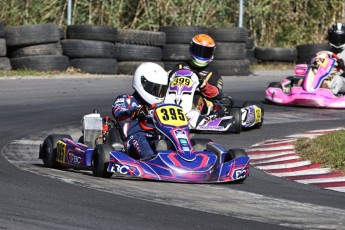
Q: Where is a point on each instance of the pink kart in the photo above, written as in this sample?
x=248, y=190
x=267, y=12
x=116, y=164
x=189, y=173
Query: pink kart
x=305, y=87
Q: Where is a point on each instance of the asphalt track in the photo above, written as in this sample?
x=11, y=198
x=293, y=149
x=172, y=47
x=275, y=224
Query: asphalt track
x=34, y=197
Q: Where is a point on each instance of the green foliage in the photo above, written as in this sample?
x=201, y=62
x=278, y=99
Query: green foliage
x=283, y=23
x=326, y=149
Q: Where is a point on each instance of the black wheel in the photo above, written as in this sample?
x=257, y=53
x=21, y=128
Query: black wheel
x=199, y=144
x=41, y=63
x=232, y=67
x=80, y=48
x=100, y=160
x=274, y=85
x=182, y=34
x=36, y=50
x=259, y=105
x=130, y=52
x=95, y=65
x=48, y=151
x=294, y=80
x=141, y=37
x=92, y=32
x=237, y=114
x=32, y=34
x=233, y=154
x=276, y=54
x=129, y=67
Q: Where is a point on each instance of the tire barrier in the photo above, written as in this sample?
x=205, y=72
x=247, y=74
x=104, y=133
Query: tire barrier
x=91, y=48
x=250, y=51
x=307, y=51
x=275, y=54
x=35, y=47
x=5, y=63
x=230, y=55
x=108, y=50
x=137, y=46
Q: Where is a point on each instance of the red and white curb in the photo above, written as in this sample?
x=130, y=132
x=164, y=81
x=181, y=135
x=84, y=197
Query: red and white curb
x=278, y=158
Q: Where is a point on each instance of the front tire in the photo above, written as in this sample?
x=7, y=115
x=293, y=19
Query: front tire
x=233, y=154
x=49, y=149
x=100, y=160
x=275, y=85
x=237, y=114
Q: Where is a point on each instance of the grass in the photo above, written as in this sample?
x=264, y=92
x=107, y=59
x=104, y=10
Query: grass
x=28, y=72
x=328, y=150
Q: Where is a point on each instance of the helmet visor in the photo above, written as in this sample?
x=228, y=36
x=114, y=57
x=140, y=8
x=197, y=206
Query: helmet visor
x=201, y=51
x=337, y=39
x=154, y=89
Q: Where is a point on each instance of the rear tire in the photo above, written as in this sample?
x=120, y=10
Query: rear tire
x=100, y=160
x=237, y=114
x=49, y=149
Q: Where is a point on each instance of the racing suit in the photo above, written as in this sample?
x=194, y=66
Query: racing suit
x=136, y=138
x=211, y=85
x=337, y=83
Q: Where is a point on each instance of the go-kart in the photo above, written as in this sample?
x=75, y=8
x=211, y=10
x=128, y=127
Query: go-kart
x=197, y=160
x=101, y=150
x=182, y=87
x=305, y=87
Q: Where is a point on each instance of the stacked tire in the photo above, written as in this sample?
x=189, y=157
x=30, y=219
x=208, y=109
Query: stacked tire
x=91, y=48
x=35, y=47
x=230, y=55
x=4, y=61
x=305, y=52
x=176, y=48
x=133, y=47
x=275, y=54
x=250, y=51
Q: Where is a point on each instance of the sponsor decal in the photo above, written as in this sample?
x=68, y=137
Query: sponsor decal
x=211, y=128
x=74, y=159
x=183, y=141
x=120, y=100
x=122, y=169
x=240, y=173
x=186, y=149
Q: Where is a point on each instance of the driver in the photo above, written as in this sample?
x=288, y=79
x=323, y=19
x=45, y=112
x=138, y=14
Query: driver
x=150, y=82
x=336, y=39
x=201, y=50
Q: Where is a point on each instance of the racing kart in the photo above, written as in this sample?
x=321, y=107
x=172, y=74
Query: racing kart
x=197, y=160
x=101, y=150
x=182, y=87
x=305, y=87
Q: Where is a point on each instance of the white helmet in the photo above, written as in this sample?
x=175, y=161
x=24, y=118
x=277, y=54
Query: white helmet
x=150, y=81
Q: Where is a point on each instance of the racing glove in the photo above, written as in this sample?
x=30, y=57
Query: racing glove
x=140, y=113
x=202, y=83
x=341, y=64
